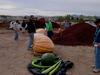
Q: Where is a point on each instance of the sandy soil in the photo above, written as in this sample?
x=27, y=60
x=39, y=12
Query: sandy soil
x=14, y=56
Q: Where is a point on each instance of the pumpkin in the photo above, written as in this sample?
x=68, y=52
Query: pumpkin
x=42, y=31
x=42, y=43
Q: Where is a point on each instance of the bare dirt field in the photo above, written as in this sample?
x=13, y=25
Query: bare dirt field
x=14, y=56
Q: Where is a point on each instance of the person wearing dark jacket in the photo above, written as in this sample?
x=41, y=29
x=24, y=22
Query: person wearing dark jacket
x=31, y=30
x=97, y=47
x=24, y=25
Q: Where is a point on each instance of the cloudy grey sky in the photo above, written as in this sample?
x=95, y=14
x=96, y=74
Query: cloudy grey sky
x=49, y=7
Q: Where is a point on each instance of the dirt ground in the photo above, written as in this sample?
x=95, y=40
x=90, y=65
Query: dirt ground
x=14, y=56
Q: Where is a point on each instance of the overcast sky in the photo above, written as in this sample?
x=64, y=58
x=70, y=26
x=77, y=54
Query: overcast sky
x=49, y=7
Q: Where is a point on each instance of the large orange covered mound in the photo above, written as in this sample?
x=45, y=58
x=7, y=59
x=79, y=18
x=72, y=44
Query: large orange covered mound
x=78, y=34
x=42, y=44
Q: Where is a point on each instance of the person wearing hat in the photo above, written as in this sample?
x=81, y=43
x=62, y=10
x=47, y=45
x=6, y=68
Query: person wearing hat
x=97, y=47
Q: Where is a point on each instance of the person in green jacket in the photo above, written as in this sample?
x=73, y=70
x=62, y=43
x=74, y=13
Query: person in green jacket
x=49, y=28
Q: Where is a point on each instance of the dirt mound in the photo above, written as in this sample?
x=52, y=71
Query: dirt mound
x=55, y=25
x=4, y=25
x=78, y=34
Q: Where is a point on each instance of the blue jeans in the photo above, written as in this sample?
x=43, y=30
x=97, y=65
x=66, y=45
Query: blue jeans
x=31, y=39
x=50, y=34
x=97, y=58
x=16, y=35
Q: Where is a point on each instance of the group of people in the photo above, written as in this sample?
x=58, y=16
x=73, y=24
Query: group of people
x=30, y=27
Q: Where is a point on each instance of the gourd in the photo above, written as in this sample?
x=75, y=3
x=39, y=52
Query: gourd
x=42, y=43
x=48, y=59
x=42, y=31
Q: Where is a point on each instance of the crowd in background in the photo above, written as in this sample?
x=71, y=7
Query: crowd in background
x=30, y=25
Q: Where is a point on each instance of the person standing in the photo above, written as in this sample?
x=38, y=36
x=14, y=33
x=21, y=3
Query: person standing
x=31, y=30
x=67, y=24
x=49, y=28
x=16, y=28
x=24, y=25
x=97, y=47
